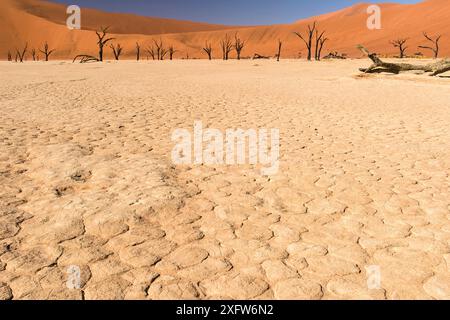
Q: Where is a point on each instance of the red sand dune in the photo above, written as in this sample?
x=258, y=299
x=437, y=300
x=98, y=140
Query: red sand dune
x=37, y=21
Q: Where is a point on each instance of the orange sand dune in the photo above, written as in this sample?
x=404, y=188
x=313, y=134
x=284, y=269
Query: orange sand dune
x=36, y=21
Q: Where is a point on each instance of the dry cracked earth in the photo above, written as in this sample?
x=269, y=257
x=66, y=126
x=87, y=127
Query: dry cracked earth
x=87, y=182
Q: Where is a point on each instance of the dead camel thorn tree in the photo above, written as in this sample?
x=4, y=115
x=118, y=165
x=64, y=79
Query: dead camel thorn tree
x=102, y=41
x=435, y=42
x=318, y=38
x=321, y=44
x=161, y=52
x=151, y=51
x=208, y=50
x=226, y=46
x=238, y=46
x=33, y=54
x=379, y=66
x=117, y=50
x=20, y=54
x=280, y=45
x=308, y=41
x=9, y=56
x=401, y=45
x=46, y=51
x=138, y=51
x=171, y=52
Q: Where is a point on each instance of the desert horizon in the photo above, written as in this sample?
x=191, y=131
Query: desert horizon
x=215, y=162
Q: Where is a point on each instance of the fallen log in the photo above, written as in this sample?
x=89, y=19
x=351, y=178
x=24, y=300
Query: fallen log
x=379, y=66
x=257, y=56
x=85, y=58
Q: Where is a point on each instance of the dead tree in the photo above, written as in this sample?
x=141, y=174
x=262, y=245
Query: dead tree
x=321, y=44
x=401, y=45
x=46, y=51
x=9, y=56
x=379, y=66
x=435, y=42
x=280, y=44
x=238, y=46
x=151, y=51
x=308, y=41
x=20, y=54
x=33, y=54
x=102, y=41
x=318, y=39
x=117, y=50
x=227, y=46
x=208, y=50
x=138, y=51
x=161, y=52
x=171, y=52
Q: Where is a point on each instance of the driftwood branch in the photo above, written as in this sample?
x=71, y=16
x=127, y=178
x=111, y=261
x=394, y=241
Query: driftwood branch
x=379, y=66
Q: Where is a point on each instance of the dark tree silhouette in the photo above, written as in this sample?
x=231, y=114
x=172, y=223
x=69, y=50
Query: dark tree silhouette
x=33, y=54
x=280, y=44
x=238, y=46
x=208, y=50
x=308, y=40
x=46, y=51
x=160, y=51
x=20, y=54
x=9, y=56
x=319, y=37
x=401, y=45
x=101, y=35
x=138, y=51
x=117, y=50
x=435, y=42
x=321, y=44
x=151, y=51
x=226, y=46
x=171, y=52
x=102, y=41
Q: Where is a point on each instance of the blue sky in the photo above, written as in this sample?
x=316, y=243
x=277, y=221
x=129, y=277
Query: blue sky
x=232, y=12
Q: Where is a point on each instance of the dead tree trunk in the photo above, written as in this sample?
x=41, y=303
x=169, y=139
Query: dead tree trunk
x=321, y=44
x=20, y=55
x=435, y=42
x=151, y=52
x=378, y=66
x=171, y=52
x=226, y=47
x=33, y=54
x=117, y=50
x=400, y=44
x=102, y=41
x=46, y=51
x=318, y=39
x=238, y=46
x=101, y=35
x=208, y=50
x=9, y=56
x=308, y=41
x=161, y=52
x=138, y=51
x=280, y=44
